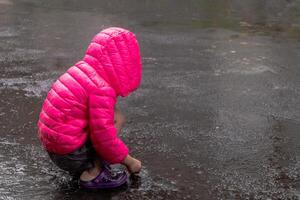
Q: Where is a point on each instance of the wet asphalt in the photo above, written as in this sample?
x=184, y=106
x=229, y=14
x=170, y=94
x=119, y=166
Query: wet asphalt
x=217, y=114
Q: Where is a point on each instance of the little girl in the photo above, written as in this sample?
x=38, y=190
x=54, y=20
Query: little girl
x=79, y=121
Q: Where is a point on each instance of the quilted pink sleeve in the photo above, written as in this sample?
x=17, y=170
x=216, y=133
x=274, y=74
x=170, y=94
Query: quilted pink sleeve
x=101, y=120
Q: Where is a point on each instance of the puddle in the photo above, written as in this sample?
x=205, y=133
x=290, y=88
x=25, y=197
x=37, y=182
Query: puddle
x=32, y=88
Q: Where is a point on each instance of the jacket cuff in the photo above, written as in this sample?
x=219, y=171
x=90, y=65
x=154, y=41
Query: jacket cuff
x=121, y=157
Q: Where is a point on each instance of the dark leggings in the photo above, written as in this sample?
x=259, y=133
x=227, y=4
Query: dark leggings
x=76, y=162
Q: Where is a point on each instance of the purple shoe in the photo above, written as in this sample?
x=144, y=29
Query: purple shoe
x=106, y=179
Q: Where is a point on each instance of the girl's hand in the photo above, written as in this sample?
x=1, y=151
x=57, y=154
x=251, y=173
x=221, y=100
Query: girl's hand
x=133, y=165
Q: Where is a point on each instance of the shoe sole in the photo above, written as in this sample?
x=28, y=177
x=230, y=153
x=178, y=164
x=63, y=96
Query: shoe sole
x=114, y=185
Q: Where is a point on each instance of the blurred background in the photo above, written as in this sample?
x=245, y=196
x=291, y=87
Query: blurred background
x=216, y=116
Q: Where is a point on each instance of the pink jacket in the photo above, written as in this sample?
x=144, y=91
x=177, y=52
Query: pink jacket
x=80, y=104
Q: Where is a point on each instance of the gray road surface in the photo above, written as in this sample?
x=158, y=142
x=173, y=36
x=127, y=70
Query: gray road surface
x=217, y=114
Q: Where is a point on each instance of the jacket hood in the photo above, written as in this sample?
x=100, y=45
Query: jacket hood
x=115, y=55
